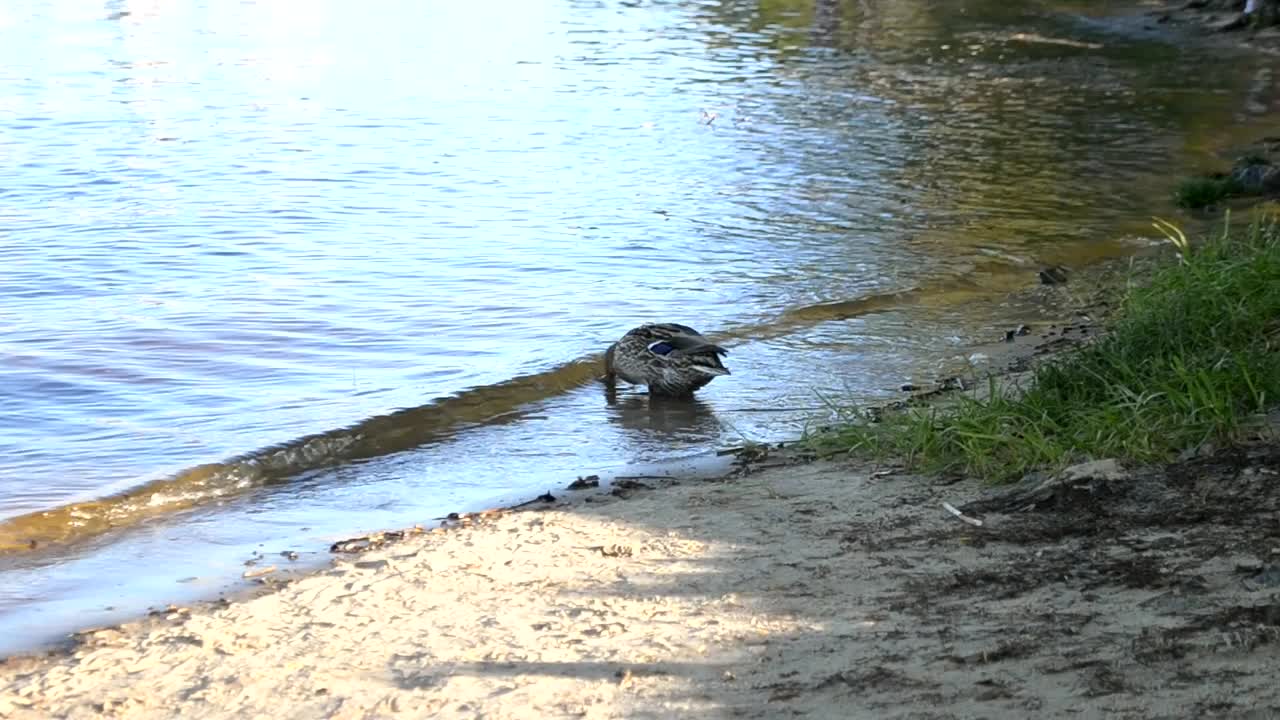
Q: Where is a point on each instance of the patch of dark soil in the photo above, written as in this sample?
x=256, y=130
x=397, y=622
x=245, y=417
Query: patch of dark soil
x=1267, y=614
x=1042, y=529
x=998, y=584
x=1230, y=472
x=1105, y=679
x=1129, y=572
x=1007, y=650
x=877, y=678
x=878, y=534
x=1231, y=487
x=1165, y=534
x=1152, y=645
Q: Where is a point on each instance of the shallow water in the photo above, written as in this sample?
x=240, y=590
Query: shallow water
x=277, y=272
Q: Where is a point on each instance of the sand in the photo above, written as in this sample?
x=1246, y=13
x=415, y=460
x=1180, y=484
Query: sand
x=821, y=590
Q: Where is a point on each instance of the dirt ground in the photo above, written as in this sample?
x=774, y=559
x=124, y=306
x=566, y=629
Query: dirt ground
x=822, y=590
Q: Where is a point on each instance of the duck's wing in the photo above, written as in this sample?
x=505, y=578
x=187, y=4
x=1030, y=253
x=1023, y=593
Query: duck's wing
x=696, y=353
x=681, y=340
x=672, y=329
x=690, y=345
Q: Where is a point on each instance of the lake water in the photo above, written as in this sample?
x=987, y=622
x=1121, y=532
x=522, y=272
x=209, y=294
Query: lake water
x=273, y=273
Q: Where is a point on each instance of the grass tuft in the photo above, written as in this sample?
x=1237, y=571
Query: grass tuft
x=1190, y=357
x=1201, y=192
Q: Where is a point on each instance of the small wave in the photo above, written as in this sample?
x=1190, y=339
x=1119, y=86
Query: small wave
x=374, y=437
x=411, y=428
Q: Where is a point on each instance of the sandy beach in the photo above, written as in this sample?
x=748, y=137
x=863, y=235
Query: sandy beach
x=788, y=587
x=824, y=589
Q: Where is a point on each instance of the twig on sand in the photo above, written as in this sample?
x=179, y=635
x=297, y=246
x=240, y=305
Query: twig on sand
x=541, y=499
x=952, y=509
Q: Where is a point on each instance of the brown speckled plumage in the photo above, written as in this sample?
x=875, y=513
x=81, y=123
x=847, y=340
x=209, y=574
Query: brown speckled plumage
x=671, y=359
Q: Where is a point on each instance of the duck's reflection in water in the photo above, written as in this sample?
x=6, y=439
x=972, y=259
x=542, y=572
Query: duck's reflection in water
x=648, y=417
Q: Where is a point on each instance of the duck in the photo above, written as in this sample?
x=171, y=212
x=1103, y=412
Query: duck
x=673, y=360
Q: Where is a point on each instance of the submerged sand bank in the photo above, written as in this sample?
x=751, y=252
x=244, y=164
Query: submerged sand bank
x=818, y=590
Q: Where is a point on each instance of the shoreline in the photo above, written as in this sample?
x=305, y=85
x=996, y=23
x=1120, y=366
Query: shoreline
x=1080, y=305
x=816, y=587
x=1080, y=311
x=785, y=582
x=266, y=572
x=267, y=578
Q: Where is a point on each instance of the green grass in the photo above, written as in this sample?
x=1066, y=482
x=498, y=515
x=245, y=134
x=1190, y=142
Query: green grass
x=1190, y=357
x=1201, y=192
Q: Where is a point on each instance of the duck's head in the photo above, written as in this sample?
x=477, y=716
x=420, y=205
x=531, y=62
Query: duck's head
x=608, y=360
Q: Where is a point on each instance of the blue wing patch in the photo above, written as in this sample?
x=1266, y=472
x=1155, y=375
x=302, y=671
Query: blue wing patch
x=660, y=348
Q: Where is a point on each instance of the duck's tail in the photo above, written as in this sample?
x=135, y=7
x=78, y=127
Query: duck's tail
x=712, y=370
x=707, y=360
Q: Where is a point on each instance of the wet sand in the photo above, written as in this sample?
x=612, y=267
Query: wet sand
x=824, y=589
